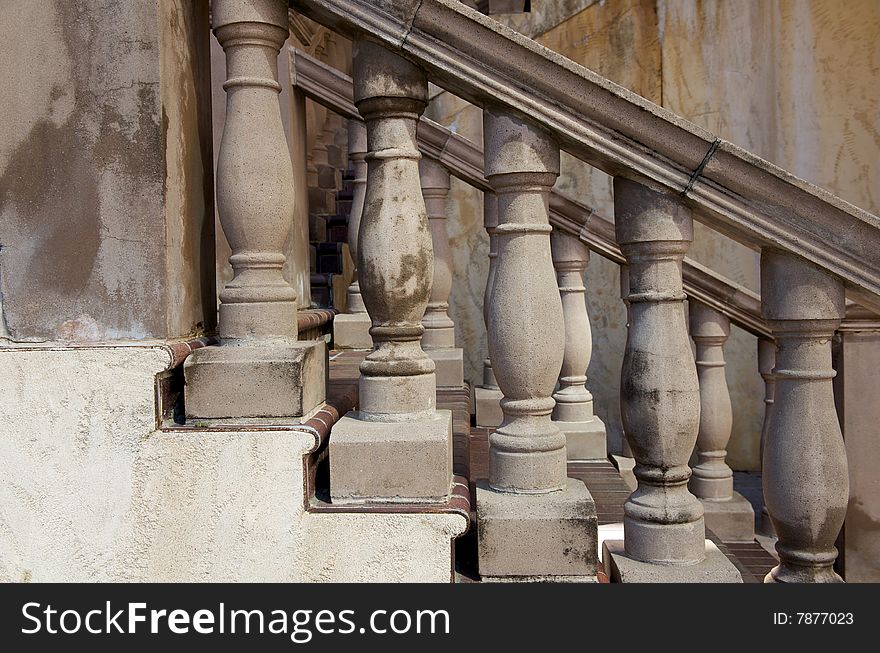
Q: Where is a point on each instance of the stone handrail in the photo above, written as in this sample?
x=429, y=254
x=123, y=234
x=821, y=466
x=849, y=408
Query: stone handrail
x=464, y=159
x=617, y=131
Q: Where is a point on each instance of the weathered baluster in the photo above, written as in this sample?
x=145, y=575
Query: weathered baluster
x=357, y=150
x=397, y=447
x=766, y=362
x=260, y=370
x=487, y=397
x=573, y=414
x=439, y=337
x=806, y=485
x=533, y=521
x=728, y=514
x=664, y=534
x=351, y=330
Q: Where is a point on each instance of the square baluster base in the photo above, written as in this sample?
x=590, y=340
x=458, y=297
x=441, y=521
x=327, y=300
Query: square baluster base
x=585, y=440
x=450, y=366
x=523, y=537
x=732, y=520
x=232, y=383
x=488, y=406
x=386, y=462
x=352, y=331
x=621, y=568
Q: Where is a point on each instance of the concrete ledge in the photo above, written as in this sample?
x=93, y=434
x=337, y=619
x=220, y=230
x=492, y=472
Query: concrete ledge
x=450, y=366
x=488, y=406
x=352, y=331
x=391, y=461
x=621, y=568
x=523, y=537
x=585, y=440
x=732, y=520
x=245, y=382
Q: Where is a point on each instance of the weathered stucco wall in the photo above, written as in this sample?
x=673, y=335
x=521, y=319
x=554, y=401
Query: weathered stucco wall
x=93, y=492
x=798, y=83
x=105, y=170
x=795, y=81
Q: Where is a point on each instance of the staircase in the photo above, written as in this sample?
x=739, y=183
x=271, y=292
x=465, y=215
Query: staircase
x=537, y=503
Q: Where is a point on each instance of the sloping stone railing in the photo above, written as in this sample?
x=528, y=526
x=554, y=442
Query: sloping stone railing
x=464, y=160
x=617, y=131
x=396, y=449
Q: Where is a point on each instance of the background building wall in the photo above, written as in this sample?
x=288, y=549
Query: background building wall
x=795, y=81
x=105, y=169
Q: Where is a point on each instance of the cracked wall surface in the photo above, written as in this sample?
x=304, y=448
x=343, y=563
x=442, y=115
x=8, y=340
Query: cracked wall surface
x=105, y=171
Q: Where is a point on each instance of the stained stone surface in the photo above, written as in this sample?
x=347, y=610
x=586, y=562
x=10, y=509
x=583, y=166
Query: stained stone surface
x=543, y=535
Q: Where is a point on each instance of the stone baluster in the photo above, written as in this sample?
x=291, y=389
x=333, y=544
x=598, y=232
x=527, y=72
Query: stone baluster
x=261, y=370
x=533, y=521
x=487, y=397
x=806, y=484
x=397, y=447
x=664, y=533
x=351, y=330
x=439, y=337
x=727, y=513
x=357, y=150
x=573, y=414
x=766, y=362
x=623, y=459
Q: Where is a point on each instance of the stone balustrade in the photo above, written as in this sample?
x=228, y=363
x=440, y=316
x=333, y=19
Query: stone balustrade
x=396, y=446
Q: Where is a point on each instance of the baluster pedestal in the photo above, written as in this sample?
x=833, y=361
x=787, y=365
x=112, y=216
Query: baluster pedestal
x=260, y=370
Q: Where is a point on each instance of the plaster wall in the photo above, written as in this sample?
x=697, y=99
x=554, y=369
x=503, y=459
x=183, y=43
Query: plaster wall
x=105, y=171
x=93, y=492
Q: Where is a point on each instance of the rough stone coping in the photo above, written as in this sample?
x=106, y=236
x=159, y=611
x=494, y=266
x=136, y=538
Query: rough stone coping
x=458, y=502
x=619, y=132
x=312, y=318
